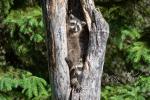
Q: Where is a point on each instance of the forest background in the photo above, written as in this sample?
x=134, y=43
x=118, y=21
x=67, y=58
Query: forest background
x=23, y=56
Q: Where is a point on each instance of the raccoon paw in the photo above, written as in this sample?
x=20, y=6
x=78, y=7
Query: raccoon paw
x=78, y=88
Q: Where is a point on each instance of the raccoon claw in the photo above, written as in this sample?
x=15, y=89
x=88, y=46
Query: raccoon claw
x=78, y=89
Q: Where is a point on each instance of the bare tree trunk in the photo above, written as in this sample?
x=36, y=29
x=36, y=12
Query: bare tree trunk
x=95, y=36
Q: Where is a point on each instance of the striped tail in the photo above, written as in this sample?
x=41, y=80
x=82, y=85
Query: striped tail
x=75, y=73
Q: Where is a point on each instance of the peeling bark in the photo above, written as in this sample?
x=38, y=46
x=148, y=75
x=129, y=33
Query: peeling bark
x=55, y=16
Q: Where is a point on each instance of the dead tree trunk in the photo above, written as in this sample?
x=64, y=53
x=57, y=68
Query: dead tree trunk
x=92, y=42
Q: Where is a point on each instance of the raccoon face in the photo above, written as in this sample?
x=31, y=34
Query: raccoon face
x=75, y=25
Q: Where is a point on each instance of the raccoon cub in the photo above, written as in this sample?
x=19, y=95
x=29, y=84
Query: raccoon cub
x=74, y=27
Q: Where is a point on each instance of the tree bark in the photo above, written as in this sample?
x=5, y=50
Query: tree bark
x=97, y=31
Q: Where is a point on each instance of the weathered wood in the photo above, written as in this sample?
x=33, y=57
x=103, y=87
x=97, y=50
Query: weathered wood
x=98, y=35
x=55, y=12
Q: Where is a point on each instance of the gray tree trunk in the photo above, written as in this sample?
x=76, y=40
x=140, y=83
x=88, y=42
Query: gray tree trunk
x=97, y=31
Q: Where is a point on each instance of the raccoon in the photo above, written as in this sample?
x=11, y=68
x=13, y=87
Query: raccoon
x=75, y=27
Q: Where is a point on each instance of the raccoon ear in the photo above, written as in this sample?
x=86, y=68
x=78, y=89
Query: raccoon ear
x=71, y=16
x=83, y=23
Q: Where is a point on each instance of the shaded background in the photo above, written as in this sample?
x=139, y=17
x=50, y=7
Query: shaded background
x=23, y=60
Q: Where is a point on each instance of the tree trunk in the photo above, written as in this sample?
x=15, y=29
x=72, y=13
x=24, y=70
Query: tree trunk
x=93, y=42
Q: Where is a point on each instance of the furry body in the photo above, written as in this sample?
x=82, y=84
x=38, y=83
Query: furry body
x=75, y=27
